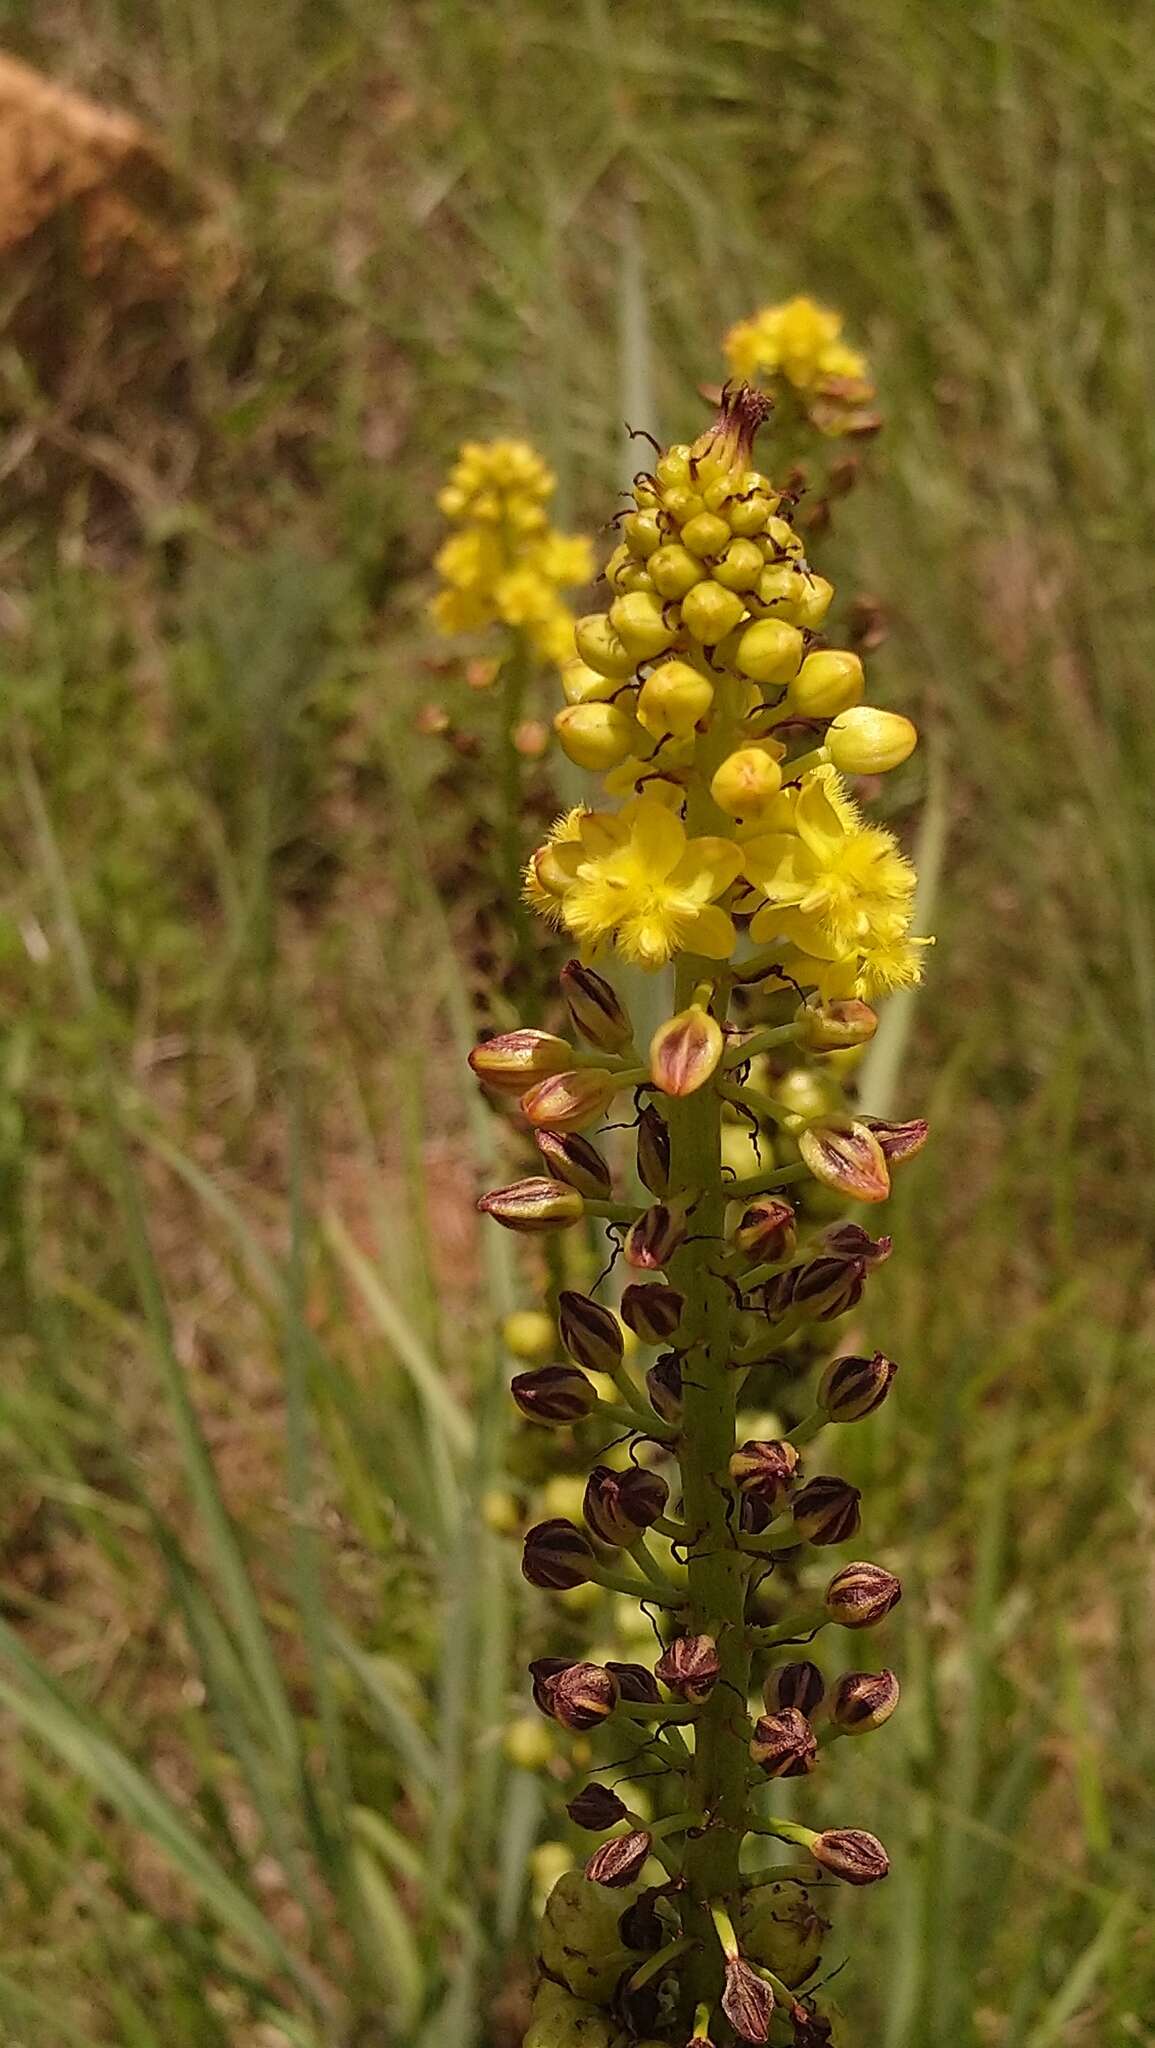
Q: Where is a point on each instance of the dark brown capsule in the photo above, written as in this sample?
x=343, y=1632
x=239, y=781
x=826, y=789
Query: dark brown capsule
x=554, y=1395
x=597, y=1808
x=784, y=1744
x=557, y=1556
x=798, y=1685
x=690, y=1666
x=619, y=1505
x=664, y=1387
x=635, y=1683
x=826, y=1509
x=653, y=1155
x=617, y=1863
x=652, y=1310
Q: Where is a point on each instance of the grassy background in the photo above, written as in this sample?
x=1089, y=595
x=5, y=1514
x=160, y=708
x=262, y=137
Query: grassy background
x=256, y=1661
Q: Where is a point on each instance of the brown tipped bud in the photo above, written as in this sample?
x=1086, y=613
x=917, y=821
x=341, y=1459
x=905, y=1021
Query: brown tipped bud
x=543, y=1672
x=534, y=1205
x=853, y=1387
x=851, y=1241
x=898, y=1141
x=841, y=1153
x=554, y=1395
x=690, y=1666
x=727, y=442
x=826, y=1510
x=796, y=1685
x=851, y=1854
x=831, y=1027
x=784, y=1744
x=654, y=1150
x=619, y=1505
x=636, y=1684
x=576, y=1162
x=747, y=2001
x=597, y=1808
x=685, y=1051
x=864, y=1700
x=822, y=1289
x=655, y=1237
x=594, y=1007
x=591, y=1334
x=861, y=1595
x=652, y=1310
x=583, y=1695
x=765, y=1470
x=557, y=1556
x=767, y=1229
x=570, y=1102
x=664, y=1387
x=617, y=1863
x=514, y=1059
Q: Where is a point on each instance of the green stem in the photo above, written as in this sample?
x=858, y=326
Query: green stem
x=760, y=1041
x=514, y=683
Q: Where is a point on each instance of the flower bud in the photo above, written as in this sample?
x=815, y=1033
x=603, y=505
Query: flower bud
x=839, y=1151
x=853, y=1387
x=740, y=567
x=898, y=1141
x=769, y=651
x=705, y=534
x=654, y=1238
x=826, y=1510
x=617, y=1863
x=863, y=1700
x=653, y=1150
x=861, y=1595
x=582, y=1696
x=640, y=623
x=747, y=783
x=866, y=741
x=827, y=683
x=747, y=2001
x=567, y=1102
x=601, y=649
x=709, y=612
x=685, y=1051
x=766, y=1470
x=509, y=1062
x=664, y=1387
x=576, y=1162
x=557, y=1556
x=543, y=1672
x=767, y=1229
x=813, y=600
x=635, y=1683
x=554, y=1395
x=851, y=1241
x=581, y=684
x=797, y=1685
x=594, y=736
x=851, y=1854
x=784, y=1744
x=831, y=1027
x=673, y=698
x=533, y=1205
x=821, y=1289
x=528, y=1333
x=619, y=1505
x=779, y=1927
x=594, y=1007
x=674, y=571
x=597, y=1808
x=652, y=1310
x=591, y=1334
x=690, y=1666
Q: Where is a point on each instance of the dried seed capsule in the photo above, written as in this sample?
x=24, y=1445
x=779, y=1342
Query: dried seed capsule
x=569, y=1102
x=690, y=1666
x=747, y=2001
x=654, y=1238
x=766, y=1470
x=557, y=1555
x=641, y=1925
x=595, y=736
x=866, y=741
x=594, y=1007
x=652, y=1310
x=664, y=1387
x=575, y=1161
x=851, y=1241
x=898, y=1141
x=861, y=1595
x=831, y=1027
x=591, y=1334
x=673, y=698
x=685, y=1051
x=635, y=1683
x=582, y=1695
x=851, y=1854
x=853, y=1387
x=618, y=1506
x=767, y=1229
x=769, y=651
x=512, y=1060
x=597, y=1808
x=617, y=1863
x=863, y=1700
x=826, y=1510
x=533, y=1205
x=798, y=1685
x=784, y=1744
x=554, y=1395
x=840, y=1152
x=826, y=683
x=654, y=1150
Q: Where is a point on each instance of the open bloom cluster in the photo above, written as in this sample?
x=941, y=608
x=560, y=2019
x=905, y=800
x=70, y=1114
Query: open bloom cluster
x=801, y=342
x=708, y=700
x=504, y=562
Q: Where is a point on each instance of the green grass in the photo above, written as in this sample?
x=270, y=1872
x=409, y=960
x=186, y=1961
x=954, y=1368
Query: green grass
x=249, y=1399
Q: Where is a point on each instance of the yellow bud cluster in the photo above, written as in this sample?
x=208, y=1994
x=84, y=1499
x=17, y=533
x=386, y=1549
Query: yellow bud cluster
x=504, y=562
x=800, y=344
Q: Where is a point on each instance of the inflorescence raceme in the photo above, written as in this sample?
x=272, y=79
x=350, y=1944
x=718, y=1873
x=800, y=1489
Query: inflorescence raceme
x=731, y=847
x=504, y=563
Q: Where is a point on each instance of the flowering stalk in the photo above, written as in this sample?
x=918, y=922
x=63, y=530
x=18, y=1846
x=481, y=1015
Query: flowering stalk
x=738, y=853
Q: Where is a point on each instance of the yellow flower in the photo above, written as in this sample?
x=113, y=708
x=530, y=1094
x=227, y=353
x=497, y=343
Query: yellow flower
x=546, y=880
x=636, y=879
x=504, y=563
x=798, y=340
